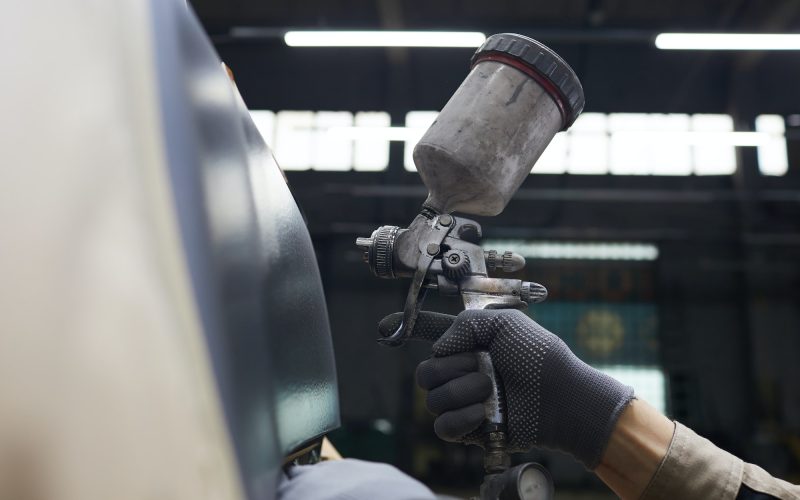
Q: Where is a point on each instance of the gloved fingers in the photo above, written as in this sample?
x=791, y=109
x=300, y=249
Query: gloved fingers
x=459, y=393
x=429, y=326
x=472, y=330
x=454, y=425
x=476, y=329
x=434, y=372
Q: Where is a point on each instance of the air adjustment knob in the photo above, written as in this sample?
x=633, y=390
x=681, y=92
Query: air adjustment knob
x=455, y=264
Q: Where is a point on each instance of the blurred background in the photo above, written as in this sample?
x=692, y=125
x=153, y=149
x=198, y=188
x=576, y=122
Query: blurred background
x=665, y=223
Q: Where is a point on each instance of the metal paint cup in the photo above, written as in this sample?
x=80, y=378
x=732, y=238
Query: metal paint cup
x=487, y=138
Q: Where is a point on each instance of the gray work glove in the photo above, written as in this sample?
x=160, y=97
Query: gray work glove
x=553, y=399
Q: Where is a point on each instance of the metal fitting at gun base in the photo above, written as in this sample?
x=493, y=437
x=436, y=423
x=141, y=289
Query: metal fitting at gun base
x=496, y=458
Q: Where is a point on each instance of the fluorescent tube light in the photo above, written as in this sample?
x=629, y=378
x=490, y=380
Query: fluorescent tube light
x=384, y=39
x=699, y=138
x=696, y=138
x=401, y=134
x=575, y=251
x=727, y=41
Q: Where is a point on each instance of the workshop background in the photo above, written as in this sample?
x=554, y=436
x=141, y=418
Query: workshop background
x=665, y=223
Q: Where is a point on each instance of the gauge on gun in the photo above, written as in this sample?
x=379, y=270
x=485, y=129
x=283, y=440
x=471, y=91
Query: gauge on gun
x=529, y=481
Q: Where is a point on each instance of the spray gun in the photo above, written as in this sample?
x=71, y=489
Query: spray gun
x=473, y=159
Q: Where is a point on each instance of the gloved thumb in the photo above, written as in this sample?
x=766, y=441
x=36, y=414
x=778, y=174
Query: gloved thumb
x=429, y=326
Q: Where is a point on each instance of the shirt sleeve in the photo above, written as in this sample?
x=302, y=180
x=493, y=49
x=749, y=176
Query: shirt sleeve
x=759, y=480
x=694, y=468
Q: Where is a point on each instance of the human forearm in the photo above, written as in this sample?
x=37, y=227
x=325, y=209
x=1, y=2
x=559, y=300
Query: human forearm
x=637, y=446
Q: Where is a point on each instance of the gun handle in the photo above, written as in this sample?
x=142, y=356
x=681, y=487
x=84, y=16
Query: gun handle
x=496, y=457
x=494, y=405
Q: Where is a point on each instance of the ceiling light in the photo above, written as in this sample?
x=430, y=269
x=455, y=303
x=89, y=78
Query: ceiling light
x=727, y=41
x=469, y=39
x=695, y=138
x=401, y=134
x=576, y=250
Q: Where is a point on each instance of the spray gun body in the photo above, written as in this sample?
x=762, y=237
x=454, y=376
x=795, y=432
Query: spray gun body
x=441, y=252
x=473, y=159
x=457, y=263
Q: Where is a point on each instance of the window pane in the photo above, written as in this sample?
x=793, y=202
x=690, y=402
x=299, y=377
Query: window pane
x=631, y=143
x=332, y=151
x=713, y=158
x=671, y=154
x=772, y=157
x=554, y=157
x=294, y=139
x=587, y=149
x=371, y=153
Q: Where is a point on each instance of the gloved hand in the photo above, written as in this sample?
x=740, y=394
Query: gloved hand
x=553, y=399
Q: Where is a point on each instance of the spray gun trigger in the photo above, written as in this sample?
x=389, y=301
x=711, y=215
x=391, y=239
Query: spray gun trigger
x=395, y=339
x=429, y=247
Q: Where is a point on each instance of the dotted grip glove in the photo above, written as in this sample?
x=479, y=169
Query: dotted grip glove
x=553, y=399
